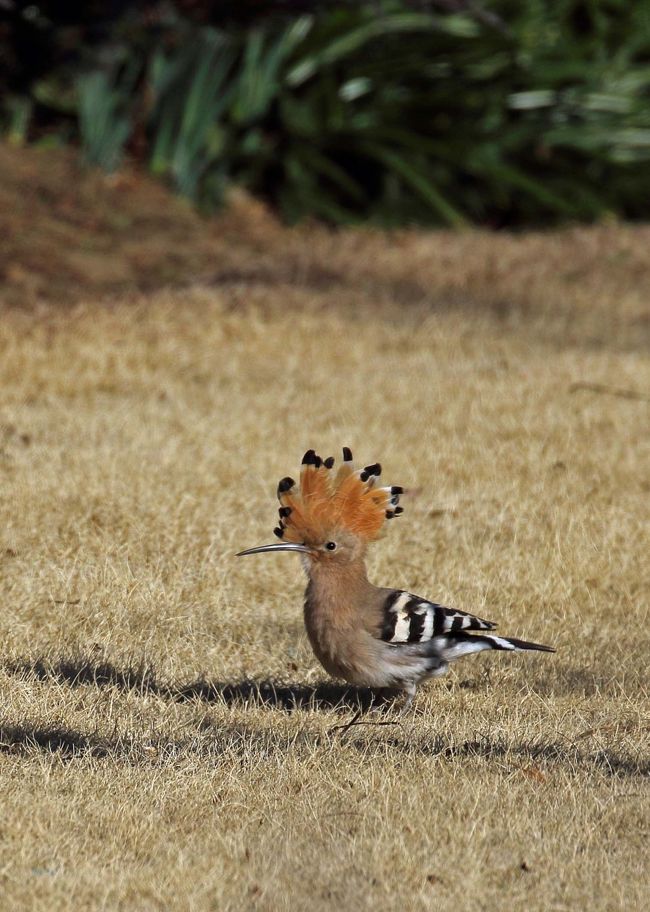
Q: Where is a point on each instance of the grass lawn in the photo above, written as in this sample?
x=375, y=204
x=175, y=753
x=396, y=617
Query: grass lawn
x=165, y=731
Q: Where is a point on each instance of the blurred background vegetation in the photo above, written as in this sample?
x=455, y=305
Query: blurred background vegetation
x=507, y=113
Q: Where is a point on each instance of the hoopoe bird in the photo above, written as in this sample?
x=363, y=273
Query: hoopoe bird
x=368, y=635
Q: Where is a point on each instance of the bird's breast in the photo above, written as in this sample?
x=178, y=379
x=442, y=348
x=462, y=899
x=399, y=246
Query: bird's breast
x=344, y=647
x=329, y=638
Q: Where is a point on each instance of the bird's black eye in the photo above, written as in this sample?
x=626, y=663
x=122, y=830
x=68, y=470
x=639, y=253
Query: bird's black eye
x=331, y=546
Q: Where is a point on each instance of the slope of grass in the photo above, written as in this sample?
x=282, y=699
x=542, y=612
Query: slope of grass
x=165, y=732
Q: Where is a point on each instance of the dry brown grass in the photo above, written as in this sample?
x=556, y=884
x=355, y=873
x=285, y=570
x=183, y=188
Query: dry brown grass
x=140, y=444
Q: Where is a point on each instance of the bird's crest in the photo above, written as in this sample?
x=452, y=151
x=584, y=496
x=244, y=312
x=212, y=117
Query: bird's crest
x=326, y=499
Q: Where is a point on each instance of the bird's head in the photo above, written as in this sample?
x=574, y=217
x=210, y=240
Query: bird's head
x=331, y=516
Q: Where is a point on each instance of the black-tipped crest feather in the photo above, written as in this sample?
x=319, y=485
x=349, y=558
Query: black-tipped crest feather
x=285, y=485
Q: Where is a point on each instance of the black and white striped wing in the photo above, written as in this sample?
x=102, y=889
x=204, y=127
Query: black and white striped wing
x=410, y=619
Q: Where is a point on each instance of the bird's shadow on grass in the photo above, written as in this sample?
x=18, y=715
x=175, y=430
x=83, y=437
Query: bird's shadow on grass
x=76, y=671
x=213, y=739
x=238, y=739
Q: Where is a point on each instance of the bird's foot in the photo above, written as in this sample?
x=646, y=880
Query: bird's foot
x=357, y=720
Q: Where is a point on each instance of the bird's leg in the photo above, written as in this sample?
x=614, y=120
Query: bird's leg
x=357, y=720
x=409, y=692
x=346, y=726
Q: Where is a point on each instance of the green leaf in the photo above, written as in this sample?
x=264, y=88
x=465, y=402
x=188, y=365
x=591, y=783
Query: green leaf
x=419, y=183
x=355, y=39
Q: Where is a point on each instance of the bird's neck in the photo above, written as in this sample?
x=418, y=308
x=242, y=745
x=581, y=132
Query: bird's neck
x=338, y=610
x=337, y=590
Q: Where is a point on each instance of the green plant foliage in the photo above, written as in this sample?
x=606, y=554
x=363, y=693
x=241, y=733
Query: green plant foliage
x=103, y=127
x=529, y=111
x=190, y=91
x=19, y=112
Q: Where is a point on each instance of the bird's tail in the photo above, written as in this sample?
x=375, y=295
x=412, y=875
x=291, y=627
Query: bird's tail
x=462, y=643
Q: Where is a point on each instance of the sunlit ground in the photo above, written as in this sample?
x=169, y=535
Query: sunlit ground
x=166, y=737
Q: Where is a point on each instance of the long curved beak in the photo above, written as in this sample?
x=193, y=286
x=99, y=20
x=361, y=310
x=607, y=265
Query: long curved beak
x=280, y=546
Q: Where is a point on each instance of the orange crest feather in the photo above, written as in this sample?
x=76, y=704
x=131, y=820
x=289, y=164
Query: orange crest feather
x=324, y=501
